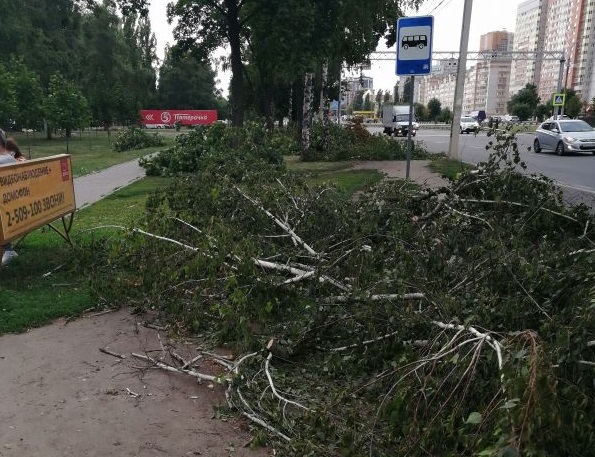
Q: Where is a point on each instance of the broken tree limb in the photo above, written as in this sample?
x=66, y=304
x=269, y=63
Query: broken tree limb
x=165, y=366
x=254, y=418
x=378, y=297
x=277, y=221
x=363, y=343
x=272, y=385
x=112, y=353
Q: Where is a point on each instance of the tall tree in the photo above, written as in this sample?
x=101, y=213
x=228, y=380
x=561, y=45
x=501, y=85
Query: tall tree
x=65, y=106
x=204, y=26
x=186, y=82
x=524, y=103
x=29, y=95
x=434, y=109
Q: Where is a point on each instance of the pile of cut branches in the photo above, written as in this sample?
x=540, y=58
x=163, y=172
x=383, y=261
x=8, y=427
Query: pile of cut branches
x=403, y=322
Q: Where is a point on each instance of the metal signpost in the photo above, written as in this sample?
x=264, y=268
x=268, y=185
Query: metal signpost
x=414, y=57
x=558, y=101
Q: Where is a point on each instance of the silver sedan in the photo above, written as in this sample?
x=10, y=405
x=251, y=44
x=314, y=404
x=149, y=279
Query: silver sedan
x=564, y=136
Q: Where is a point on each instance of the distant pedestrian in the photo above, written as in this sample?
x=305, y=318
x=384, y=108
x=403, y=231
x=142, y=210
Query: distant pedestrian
x=6, y=158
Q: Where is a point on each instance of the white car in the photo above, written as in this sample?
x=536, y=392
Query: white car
x=468, y=125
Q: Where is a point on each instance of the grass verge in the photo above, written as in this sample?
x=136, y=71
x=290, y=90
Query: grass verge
x=448, y=168
x=90, y=151
x=49, y=278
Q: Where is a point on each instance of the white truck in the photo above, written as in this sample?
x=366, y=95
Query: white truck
x=395, y=120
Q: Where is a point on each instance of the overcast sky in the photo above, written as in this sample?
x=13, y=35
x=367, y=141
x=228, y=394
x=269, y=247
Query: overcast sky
x=487, y=16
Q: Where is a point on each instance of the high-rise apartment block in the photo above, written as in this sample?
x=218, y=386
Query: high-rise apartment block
x=543, y=28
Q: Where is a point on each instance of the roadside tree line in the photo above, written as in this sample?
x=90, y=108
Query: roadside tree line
x=68, y=64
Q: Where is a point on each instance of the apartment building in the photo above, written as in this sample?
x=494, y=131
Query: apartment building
x=542, y=26
x=561, y=25
x=530, y=27
x=486, y=83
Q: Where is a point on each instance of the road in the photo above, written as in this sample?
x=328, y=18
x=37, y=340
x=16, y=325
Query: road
x=574, y=173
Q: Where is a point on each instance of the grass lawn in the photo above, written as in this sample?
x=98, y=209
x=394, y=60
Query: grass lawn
x=448, y=168
x=339, y=173
x=49, y=278
x=90, y=151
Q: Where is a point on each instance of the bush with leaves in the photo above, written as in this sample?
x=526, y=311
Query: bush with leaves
x=220, y=143
x=135, y=138
x=353, y=141
x=458, y=321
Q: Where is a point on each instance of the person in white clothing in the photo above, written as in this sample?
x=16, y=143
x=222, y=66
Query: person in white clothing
x=6, y=158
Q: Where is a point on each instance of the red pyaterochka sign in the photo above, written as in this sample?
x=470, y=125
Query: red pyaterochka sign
x=184, y=116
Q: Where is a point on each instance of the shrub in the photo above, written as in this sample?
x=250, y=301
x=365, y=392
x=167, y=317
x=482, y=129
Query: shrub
x=353, y=142
x=135, y=138
x=220, y=143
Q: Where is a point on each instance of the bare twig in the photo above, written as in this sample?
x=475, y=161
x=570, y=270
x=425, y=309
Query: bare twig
x=191, y=372
x=112, y=353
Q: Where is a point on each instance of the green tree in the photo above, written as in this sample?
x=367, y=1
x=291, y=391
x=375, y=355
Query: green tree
x=407, y=91
x=8, y=95
x=29, y=95
x=358, y=101
x=572, y=103
x=367, y=103
x=204, y=26
x=434, y=109
x=65, y=106
x=544, y=110
x=421, y=112
x=186, y=82
x=524, y=102
x=445, y=115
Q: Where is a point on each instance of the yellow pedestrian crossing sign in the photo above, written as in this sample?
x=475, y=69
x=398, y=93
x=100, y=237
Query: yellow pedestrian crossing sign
x=558, y=99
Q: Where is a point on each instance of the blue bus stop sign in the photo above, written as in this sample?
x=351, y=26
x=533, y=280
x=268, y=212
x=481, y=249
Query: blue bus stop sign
x=414, y=45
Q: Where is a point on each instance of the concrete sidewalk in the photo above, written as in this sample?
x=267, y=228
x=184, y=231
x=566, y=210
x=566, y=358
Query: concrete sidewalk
x=91, y=188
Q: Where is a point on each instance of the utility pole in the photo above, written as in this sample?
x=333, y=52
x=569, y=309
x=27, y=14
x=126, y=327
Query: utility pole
x=453, y=146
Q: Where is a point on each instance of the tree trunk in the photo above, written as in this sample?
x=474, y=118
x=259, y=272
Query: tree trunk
x=307, y=111
x=324, y=108
x=237, y=78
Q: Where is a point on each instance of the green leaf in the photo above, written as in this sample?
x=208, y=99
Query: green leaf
x=474, y=418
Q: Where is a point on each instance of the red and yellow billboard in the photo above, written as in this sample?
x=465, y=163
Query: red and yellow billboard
x=34, y=193
x=171, y=116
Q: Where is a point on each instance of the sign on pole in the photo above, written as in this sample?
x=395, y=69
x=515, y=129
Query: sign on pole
x=558, y=99
x=414, y=45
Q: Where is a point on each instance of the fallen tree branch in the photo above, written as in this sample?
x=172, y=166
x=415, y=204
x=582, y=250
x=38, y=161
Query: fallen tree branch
x=272, y=385
x=112, y=353
x=378, y=297
x=520, y=205
x=363, y=343
x=277, y=221
x=256, y=419
x=191, y=372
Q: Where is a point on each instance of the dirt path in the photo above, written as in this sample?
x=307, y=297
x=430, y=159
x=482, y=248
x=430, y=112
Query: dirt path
x=61, y=396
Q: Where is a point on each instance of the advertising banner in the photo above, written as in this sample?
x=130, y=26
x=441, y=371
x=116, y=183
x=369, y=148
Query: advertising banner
x=171, y=116
x=34, y=193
